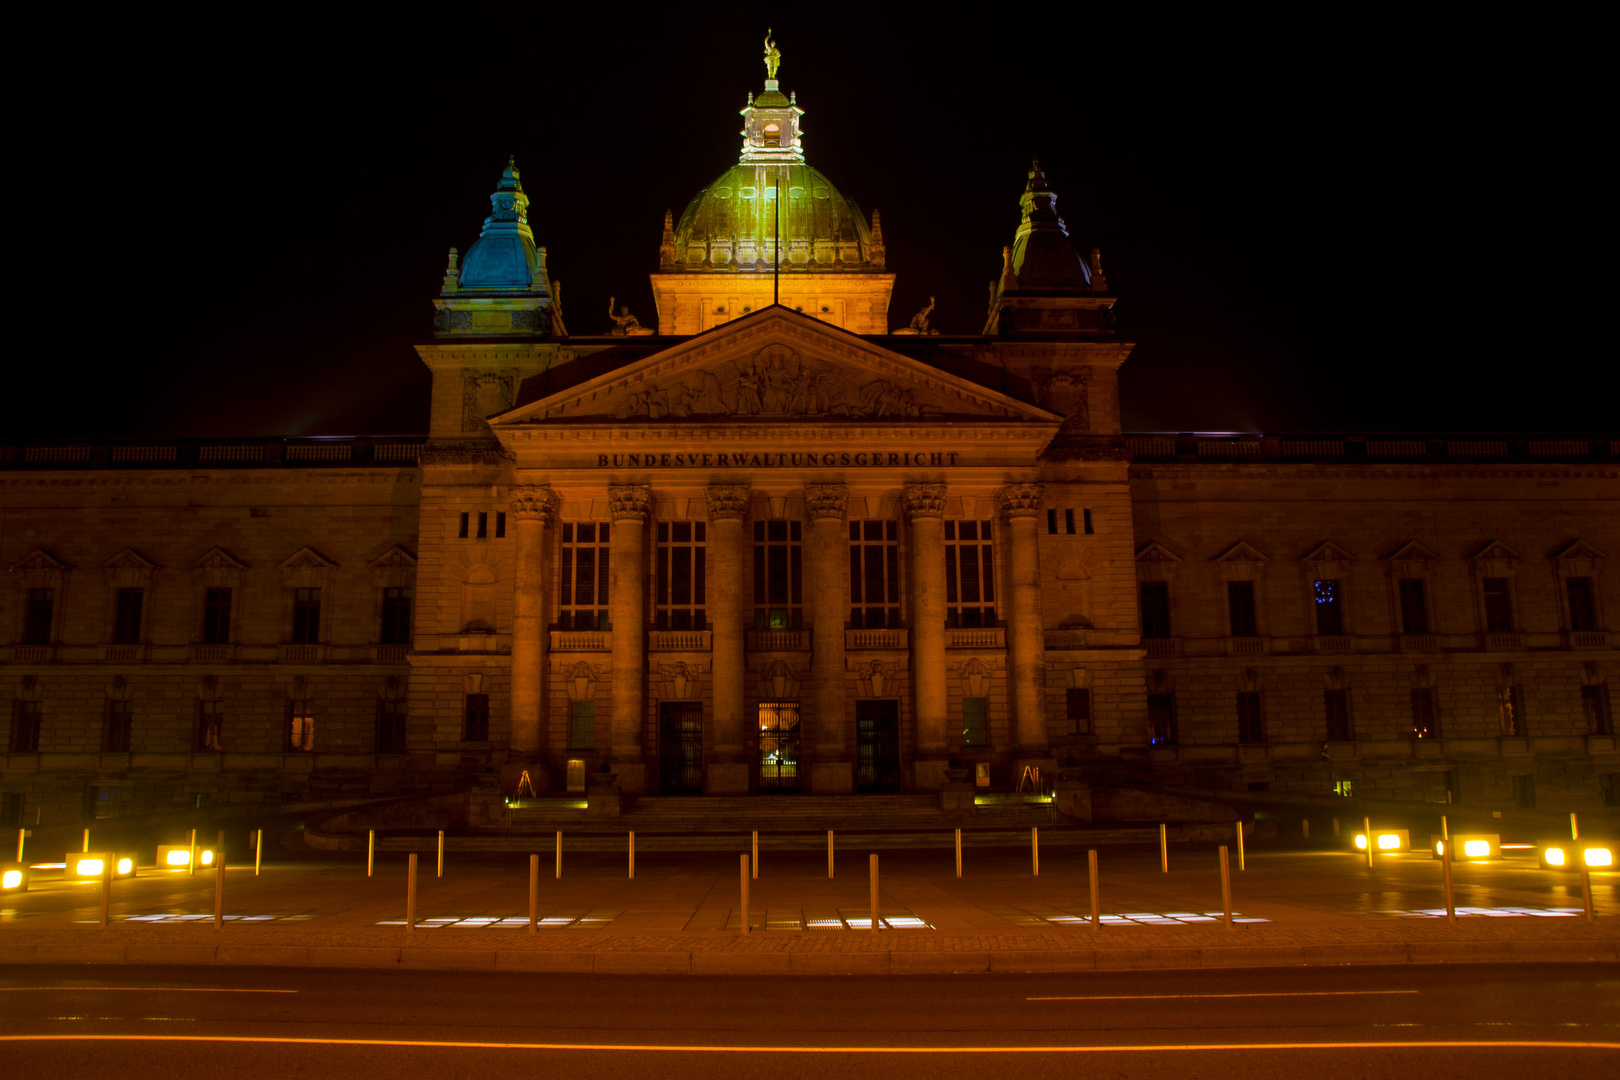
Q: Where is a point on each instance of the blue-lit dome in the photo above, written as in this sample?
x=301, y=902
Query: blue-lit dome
x=504, y=256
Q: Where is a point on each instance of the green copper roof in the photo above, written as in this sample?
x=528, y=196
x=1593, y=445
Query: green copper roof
x=1043, y=257
x=504, y=256
x=732, y=223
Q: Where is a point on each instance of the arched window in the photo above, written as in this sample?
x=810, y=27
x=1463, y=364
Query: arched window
x=772, y=135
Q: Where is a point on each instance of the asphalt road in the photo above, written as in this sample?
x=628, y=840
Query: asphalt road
x=177, y=1023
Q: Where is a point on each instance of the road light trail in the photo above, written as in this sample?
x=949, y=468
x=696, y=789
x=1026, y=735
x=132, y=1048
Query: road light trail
x=1257, y=994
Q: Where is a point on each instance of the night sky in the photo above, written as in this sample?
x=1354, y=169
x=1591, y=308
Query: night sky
x=235, y=222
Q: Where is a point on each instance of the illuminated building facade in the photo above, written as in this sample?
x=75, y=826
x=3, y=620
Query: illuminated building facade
x=776, y=543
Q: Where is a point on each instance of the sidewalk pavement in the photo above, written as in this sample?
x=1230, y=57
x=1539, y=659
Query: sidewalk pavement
x=681, y=915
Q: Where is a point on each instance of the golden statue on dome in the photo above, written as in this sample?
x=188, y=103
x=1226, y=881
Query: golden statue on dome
x=773, y=56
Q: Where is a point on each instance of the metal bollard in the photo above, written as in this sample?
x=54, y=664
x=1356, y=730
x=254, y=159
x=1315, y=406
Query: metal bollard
x=1580, y=865
x=1226, y=887
x=872, y=869
x=559, y=854
x=829, y=854
x=958, y=852
x=753, y=849
x=441, y=853
x=1366, y=824
x=219, y=888
x=1096, y=898
x=1335, y=828
x=371, y=851
x=1035, y=851
x=22, y=836
x=258, y=850
x=1164, y=850
x=632, y=854
x=534, y=893
x=1305, y=827
x=87, y=838
x=1445, y=864
x=1238, y=832
x=742, y=876
x=410, y=894
x=106, y=890
x=191, y=862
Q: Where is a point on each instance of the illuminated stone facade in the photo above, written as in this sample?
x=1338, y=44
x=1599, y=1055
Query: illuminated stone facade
x=795, y=547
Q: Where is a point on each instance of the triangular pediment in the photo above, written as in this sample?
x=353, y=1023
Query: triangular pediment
x=39, y=559
x=1156, y=552
x=1412, y=551
x=1241, y=552
x=128, y=559
x=775, y=366
x=1496, y=551
x=218, y=559
x=1328, y=551
x=1580, y=549
x=395, y=558
x=306, y=559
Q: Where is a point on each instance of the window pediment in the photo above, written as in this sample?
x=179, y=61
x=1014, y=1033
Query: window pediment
x=1329, y=552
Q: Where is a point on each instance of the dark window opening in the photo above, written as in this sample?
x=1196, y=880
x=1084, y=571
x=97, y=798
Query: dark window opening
x=1240, y=608
x=1077, y=708
x=1510, y=711
x=583, y=581
x=301, y=726
x=500, y=525
x=1162, y=719
x=1051, y=522
x=116, y=725
x=1425, y=721
x=216, y=617
x=1595, y=707
x=778, y=575
x=874, y=574
x=1524, y=792
x=1582, y=609
x=483, y=525
x=1609, y=785
x=463, y=532
x=1068, y=522
x=1088, y=529
x=970, y=590
x=210, y=726
x=1251, y=728
x=1337, y=705
x=396, y=616
x=1414, y=606
x=390, y=727
x=306, y=616
x=581, y=725
x=41, y=606
x=25, y=725
x=127, y=617
x=1155, y=597
x=475, y=721
x=680, y=575
x=975, y=721
x=1498, y=606
x=1329, y=612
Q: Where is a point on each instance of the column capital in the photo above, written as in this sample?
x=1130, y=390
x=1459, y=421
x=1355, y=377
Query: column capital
x=826, y=501
x=629, y=502
x=534, y=502
x=923, y=500
x=728, y=502
x=1021, y=500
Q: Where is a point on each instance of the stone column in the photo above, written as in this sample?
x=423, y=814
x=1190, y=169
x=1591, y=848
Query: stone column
x=925, y=506
x=533, y=508
x=831, y=771
x=627, y=611
x=727, y=770
x=1026, y=644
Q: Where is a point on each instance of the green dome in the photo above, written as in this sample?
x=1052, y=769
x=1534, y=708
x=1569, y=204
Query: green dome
x=732, y=223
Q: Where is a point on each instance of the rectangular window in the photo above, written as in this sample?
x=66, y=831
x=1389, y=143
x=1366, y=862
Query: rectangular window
x=500, y=525
x=1155, y=609
x=1329, y=611
x=583, y=579
x=1609, y=785
x=1240, y=608
x=396, y=616
x=1510, y=711
x=12, y=810
x=1337, y=705
x=25, y=723
x=127, y=617
x=1251, y=728
x=463, y=532
x=1425, y=721
x=301, y=726
x=1524, y=792
x=778, y=575
x=306, y=629
x=680, y=573
x=874, y=574
x=210, y=723
x=216, y=617
x=116, y=725
x=1051, y=522
x=483, y=524
x=1162, y=719
x=1498, y=607
x=779, y=746
x=1077, y=707
x=390, y=727
x=475, y=719
x=1068, y=522
x=581, y=725
x=975, y=721
x=970, y=588
x=1088, y=529
x=41, y=606
x=1582, y=610
x=1414, y=606
x=1345, y=788
x=1595, y=707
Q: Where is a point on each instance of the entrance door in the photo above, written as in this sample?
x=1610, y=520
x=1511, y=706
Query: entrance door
x=680, y=748
x=779, y=746
x=877, y=745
